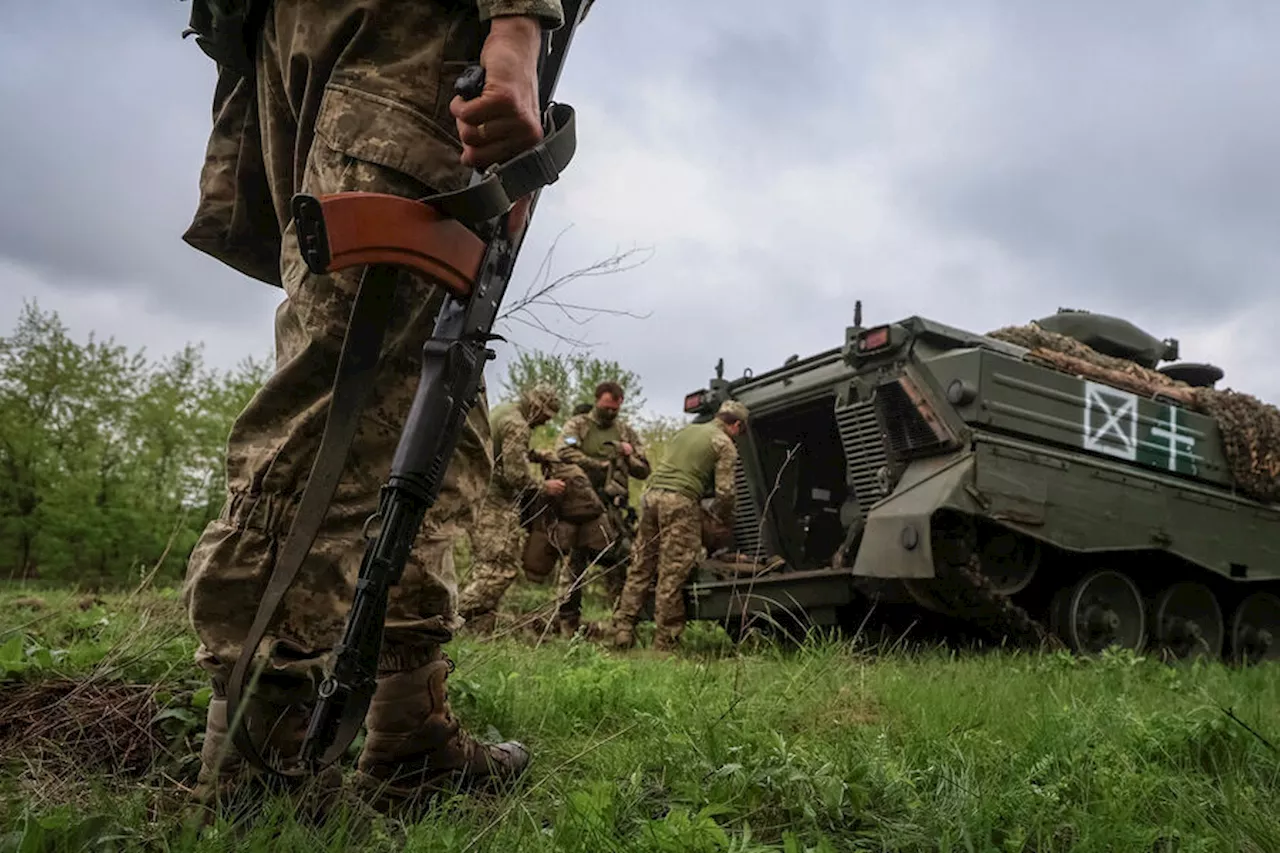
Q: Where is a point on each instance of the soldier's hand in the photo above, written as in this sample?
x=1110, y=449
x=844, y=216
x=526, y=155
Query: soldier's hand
x=625, y=447
x=504, y=120
x=555, y=488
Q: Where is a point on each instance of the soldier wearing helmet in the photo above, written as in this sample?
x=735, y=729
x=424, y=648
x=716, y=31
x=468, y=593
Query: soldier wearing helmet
x=497, y=538
x=698, y=463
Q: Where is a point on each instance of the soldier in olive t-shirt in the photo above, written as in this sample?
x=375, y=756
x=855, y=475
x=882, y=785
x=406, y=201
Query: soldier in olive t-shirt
x=699, y=460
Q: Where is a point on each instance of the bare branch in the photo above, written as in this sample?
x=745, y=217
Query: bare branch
x=541, y=288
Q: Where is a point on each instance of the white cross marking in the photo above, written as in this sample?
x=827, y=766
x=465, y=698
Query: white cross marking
x=1176, y=439
x=1112, y=424
x=1120, y=421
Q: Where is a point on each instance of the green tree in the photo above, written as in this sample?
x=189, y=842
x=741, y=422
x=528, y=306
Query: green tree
x=107, y=463
x=575, y=376
x=61, y=438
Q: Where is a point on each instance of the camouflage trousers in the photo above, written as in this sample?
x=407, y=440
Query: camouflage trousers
x=667, y=546
x=351, y=96
x=497, y=543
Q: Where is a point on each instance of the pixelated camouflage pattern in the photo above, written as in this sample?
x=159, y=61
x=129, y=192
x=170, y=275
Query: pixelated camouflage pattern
x=667, y=546
x=580, y=443
x=235, y=220
x=497, y=545
x=600, y=546
x=541, y=399
x=699, y=462
x=550, y=12
x=353, y=99
x=498, y=539
x=735, y=408
x=512, y=476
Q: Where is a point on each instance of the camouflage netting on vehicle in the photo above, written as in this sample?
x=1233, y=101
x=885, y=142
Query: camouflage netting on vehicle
x=1250, y=428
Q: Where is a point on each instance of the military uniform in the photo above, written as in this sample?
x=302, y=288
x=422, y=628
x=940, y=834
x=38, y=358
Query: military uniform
x=497, y=540
x=592, y=443
x=698, y=461
x=346, y=95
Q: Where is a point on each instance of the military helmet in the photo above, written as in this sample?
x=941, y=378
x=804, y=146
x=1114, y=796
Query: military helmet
x=544, y=397
x=733, y=407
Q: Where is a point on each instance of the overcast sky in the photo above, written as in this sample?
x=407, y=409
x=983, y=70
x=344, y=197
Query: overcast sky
x=980, y=163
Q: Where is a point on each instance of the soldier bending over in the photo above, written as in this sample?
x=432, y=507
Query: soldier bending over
x=497, y=539
x=699, y=459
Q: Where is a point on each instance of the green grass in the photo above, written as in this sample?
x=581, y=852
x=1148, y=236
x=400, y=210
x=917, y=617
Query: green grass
x=821, y=747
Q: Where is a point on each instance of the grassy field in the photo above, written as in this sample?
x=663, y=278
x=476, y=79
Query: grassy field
x=823, y=747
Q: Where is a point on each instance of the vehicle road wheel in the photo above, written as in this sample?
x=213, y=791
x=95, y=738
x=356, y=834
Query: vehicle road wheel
x=1104, y=609
x=929, y=593
x=1255, y=628
x=1188, y=623
x=1009, y=560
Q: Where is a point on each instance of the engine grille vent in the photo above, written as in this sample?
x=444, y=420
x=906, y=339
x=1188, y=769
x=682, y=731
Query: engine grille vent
x=864, y=450
x=906, y=431
x=746, y=517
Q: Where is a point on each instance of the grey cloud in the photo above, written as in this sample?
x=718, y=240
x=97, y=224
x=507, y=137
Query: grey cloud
x=1124, y=154
x=1118, y=157
x=106, y=120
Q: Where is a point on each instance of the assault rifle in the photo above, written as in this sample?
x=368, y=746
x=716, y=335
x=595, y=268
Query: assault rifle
x=461, y=240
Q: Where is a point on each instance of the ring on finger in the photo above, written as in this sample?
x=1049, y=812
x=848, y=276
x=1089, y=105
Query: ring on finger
x=480, y=130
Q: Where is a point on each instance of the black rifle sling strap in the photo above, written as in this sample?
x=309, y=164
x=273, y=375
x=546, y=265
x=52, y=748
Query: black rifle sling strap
x=353, y=385
x=536, y=168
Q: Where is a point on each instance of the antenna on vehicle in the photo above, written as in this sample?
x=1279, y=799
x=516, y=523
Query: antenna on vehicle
x=720, y=369
x=852, y=333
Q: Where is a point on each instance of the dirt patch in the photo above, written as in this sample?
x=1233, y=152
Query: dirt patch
x=77, y=725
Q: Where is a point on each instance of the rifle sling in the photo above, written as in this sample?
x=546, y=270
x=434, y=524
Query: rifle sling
x=503, y=184
x=352, y=386
x=353, y=383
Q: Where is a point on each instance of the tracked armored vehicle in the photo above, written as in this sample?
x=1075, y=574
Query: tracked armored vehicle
x=1050, y=481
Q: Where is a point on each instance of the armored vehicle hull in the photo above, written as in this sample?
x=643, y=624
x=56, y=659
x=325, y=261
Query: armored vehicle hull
x=1039, y=491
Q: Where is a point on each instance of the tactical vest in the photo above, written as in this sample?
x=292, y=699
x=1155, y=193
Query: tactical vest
x=593, y=443
x=689, y=464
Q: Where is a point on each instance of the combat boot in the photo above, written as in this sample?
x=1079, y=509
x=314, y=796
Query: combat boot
x=416, y=748
x=623, y=637
x=481, y=624
x=666, y=640
x=569, y=624
x=228, y=783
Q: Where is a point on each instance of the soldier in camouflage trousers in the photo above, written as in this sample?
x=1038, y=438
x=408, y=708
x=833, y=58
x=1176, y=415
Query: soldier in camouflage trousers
x=699, y=460
x=609, y=452
x=497, y=540
x=348, y=95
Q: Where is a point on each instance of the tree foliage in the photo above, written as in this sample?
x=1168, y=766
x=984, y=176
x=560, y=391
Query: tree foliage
x=109, y=463
x=112, y=463
x=575, y=376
